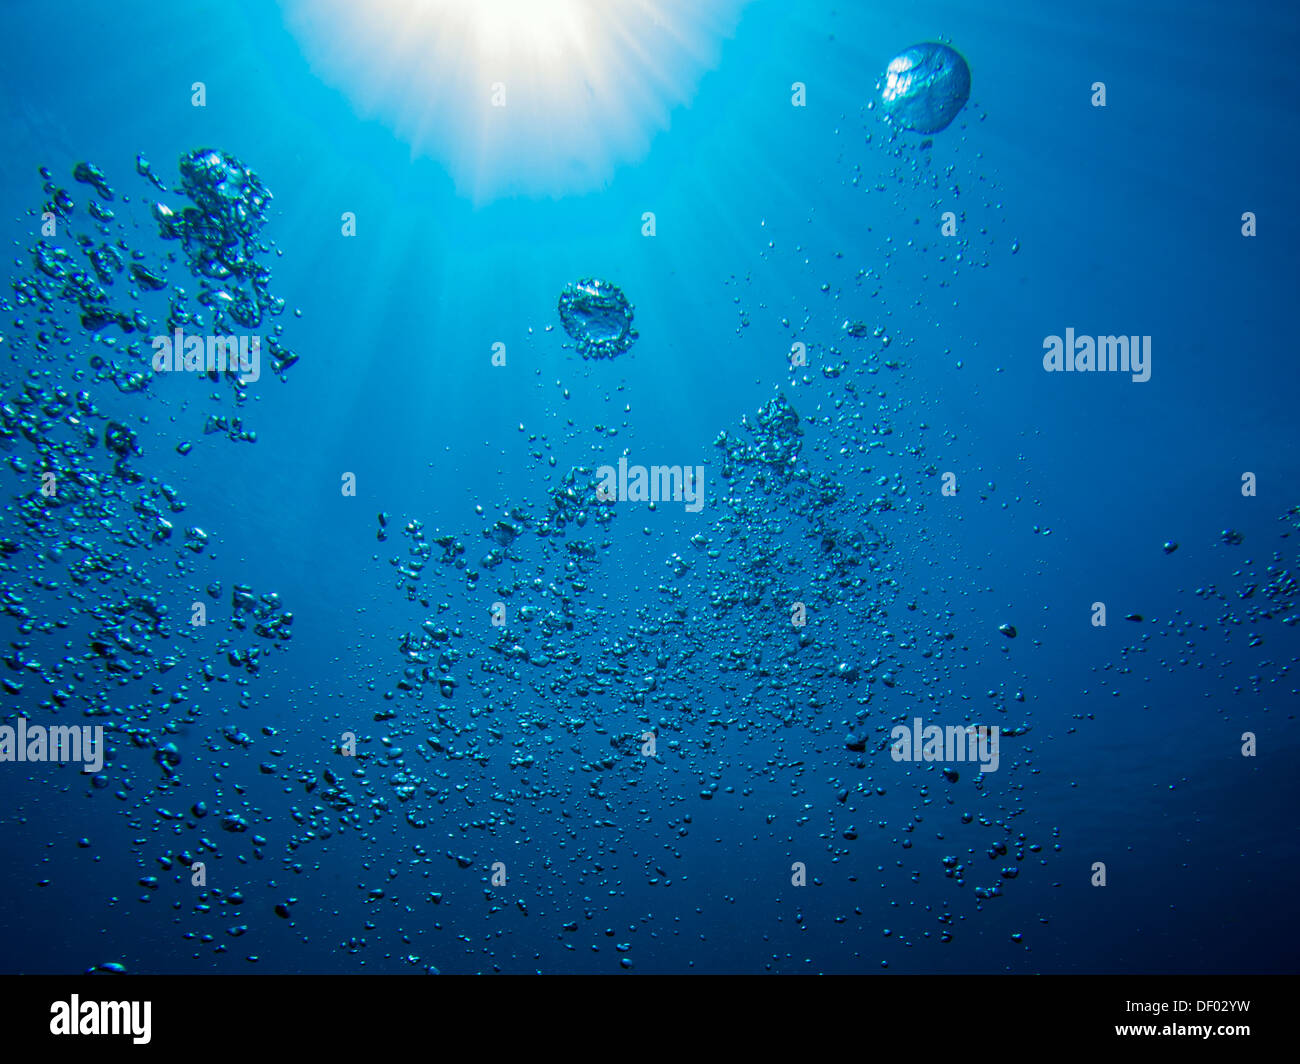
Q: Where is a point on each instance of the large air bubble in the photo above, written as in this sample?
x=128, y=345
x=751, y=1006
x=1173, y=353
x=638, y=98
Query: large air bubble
x=598, y=317
x=925, y=87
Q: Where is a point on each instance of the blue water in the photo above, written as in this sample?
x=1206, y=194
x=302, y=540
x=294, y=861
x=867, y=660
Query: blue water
x=774, y=224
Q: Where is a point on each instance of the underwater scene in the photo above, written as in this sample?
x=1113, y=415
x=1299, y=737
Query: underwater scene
x=649, y=486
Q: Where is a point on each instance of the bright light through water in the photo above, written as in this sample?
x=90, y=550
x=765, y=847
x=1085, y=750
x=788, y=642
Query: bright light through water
x=539, y=97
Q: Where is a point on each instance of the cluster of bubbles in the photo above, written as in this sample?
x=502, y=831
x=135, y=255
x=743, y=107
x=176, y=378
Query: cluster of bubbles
x=104, y=579
x=531, y=682
x=524, y=687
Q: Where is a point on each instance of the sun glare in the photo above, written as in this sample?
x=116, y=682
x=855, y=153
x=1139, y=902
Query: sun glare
x=533, y=97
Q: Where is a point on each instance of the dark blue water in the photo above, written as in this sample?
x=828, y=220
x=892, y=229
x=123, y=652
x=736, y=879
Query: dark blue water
x=516, y=750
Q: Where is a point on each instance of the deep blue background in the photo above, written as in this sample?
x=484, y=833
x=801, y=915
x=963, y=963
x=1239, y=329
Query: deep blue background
x=1127, y=220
